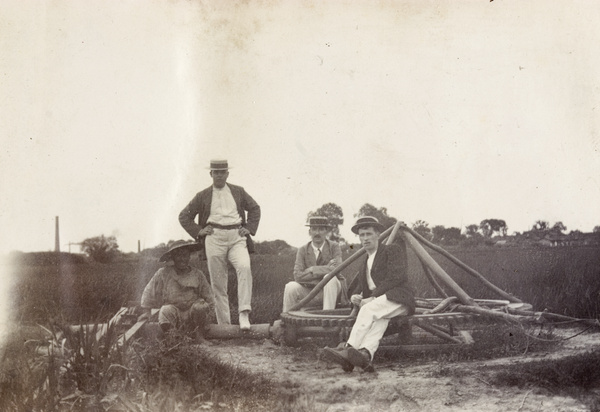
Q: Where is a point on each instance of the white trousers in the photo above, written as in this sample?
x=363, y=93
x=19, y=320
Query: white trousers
x=372, y=321
x=222, y=246
x=294, y=292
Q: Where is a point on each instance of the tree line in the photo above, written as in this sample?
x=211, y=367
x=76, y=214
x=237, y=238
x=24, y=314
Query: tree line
x=105, y=249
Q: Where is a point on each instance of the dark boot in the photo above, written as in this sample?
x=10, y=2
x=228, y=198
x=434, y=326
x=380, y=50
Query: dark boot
x=361, y=358
x=339, y=355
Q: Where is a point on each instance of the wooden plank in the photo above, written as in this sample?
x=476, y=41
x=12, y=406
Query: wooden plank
x=136, y=328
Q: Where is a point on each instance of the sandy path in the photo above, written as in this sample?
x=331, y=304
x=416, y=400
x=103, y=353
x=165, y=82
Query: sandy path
x=398, y=385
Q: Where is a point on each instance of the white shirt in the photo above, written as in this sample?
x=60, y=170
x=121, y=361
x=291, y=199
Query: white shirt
x=317, y=250
x=370, y=260
x=223, y=210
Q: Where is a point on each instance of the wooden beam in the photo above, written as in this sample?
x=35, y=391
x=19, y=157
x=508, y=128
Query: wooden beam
x=433, y=280
x=420, y=348
x=463, y=266
x=259, y=331
x=440, y=334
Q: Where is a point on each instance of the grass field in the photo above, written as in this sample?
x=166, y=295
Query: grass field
x=88, y=375
x=562, y=280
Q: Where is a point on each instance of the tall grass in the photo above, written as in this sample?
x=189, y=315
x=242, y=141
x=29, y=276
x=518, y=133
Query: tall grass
x=563, y=280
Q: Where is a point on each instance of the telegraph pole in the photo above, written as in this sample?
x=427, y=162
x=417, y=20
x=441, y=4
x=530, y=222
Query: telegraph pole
x=56, y=237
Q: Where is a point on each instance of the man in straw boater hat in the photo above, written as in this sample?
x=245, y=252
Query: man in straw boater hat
x=180, y=291
x=382, y=292
x=314, y=260
x=224, y=230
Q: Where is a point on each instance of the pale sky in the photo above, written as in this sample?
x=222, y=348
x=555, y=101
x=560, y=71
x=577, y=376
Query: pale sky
x=446, y=111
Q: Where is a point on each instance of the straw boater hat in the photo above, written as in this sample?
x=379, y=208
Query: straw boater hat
x=367, y=221
x=179, y=244
x=219, y=164
x=318, y=221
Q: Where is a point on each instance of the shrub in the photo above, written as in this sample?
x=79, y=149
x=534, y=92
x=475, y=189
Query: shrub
x=100, y=248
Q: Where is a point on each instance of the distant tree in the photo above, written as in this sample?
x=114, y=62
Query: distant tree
x=596, y=229
x=101, y=248
x=422, y=228
x=335, y=215
x=490, y=226
x=272, y=247
x=438, y=233
x=380, y=214
x=158, y=250
x=540, y=225
x=559, y=227
x=472, y=231
x=444, y=235
x=452, y=235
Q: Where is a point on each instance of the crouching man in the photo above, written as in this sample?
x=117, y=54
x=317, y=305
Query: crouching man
x=382, y=293
x=314, y=260
x=181, y=292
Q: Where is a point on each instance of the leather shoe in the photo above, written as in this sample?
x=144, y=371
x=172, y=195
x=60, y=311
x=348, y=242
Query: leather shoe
x=339, y=356
x=360, y=357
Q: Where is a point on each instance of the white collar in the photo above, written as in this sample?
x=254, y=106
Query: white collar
x=315, y=248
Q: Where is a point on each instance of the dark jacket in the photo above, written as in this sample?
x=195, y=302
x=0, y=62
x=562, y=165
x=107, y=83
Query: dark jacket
x=389, y=272
x=200, y=206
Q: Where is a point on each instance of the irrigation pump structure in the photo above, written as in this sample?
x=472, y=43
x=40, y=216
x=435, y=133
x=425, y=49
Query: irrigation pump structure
x=441, y=318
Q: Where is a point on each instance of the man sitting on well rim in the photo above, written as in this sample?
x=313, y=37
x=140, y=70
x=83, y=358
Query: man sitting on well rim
x=314, y=260
x=382, y=293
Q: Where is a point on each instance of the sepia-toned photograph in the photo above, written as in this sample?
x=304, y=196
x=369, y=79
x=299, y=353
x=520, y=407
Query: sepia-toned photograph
x=299, y=206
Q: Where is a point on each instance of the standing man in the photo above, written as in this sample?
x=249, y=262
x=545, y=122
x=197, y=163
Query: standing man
x=180, y=292
x=225, y=230
x=314, y=260
x=382, y=293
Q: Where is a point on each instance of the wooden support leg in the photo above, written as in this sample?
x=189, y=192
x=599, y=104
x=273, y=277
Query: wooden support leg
x=405, y=333
x=440, y=334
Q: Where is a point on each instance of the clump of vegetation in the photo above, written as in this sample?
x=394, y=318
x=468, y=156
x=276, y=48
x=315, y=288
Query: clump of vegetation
x=89, y=368
x=76, y=368
x=576, y=376
x=581, y=371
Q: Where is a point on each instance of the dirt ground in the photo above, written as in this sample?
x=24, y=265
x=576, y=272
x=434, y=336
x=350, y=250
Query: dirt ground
x=400, y=384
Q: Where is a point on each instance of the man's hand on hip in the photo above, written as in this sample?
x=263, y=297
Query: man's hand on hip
x=243, y=231
x=206, y=230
